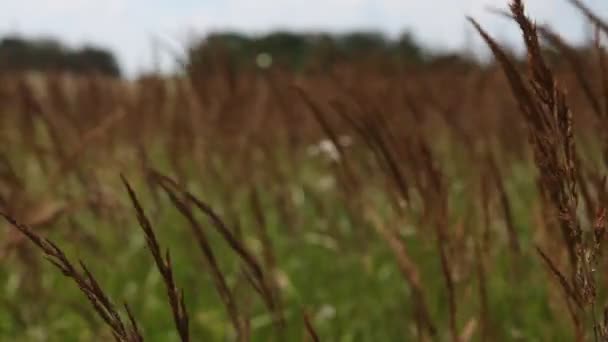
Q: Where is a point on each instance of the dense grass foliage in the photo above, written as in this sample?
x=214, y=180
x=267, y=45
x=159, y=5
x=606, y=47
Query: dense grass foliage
x=364, y=201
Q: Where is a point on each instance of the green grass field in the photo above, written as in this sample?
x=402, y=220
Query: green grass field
x=353, y=204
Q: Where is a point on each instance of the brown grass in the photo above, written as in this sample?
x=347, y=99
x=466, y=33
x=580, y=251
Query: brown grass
x=408, y=156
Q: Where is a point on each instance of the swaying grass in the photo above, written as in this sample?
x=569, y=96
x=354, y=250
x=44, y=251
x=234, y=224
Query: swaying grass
x=346, y=203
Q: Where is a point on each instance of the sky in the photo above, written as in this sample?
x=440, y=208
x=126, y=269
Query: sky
x=129, y=27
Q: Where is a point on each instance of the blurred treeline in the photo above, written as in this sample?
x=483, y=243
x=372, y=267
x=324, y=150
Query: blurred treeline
x=19, y=54
x=298, y=51
x=281, y=49
x=290, y=50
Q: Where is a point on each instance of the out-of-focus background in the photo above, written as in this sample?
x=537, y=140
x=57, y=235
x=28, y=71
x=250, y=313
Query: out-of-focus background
x=145, y=35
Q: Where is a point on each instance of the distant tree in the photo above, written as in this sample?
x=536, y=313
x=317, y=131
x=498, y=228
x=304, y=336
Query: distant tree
x=20, y=54
x=285, y=47
x=298, y=50
x=362, y=43
x=325, y=51
x=92, y=59
x=407, y=49
x=229, y=40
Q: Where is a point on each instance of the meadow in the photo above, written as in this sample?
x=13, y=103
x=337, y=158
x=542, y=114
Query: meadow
x=357, y=201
